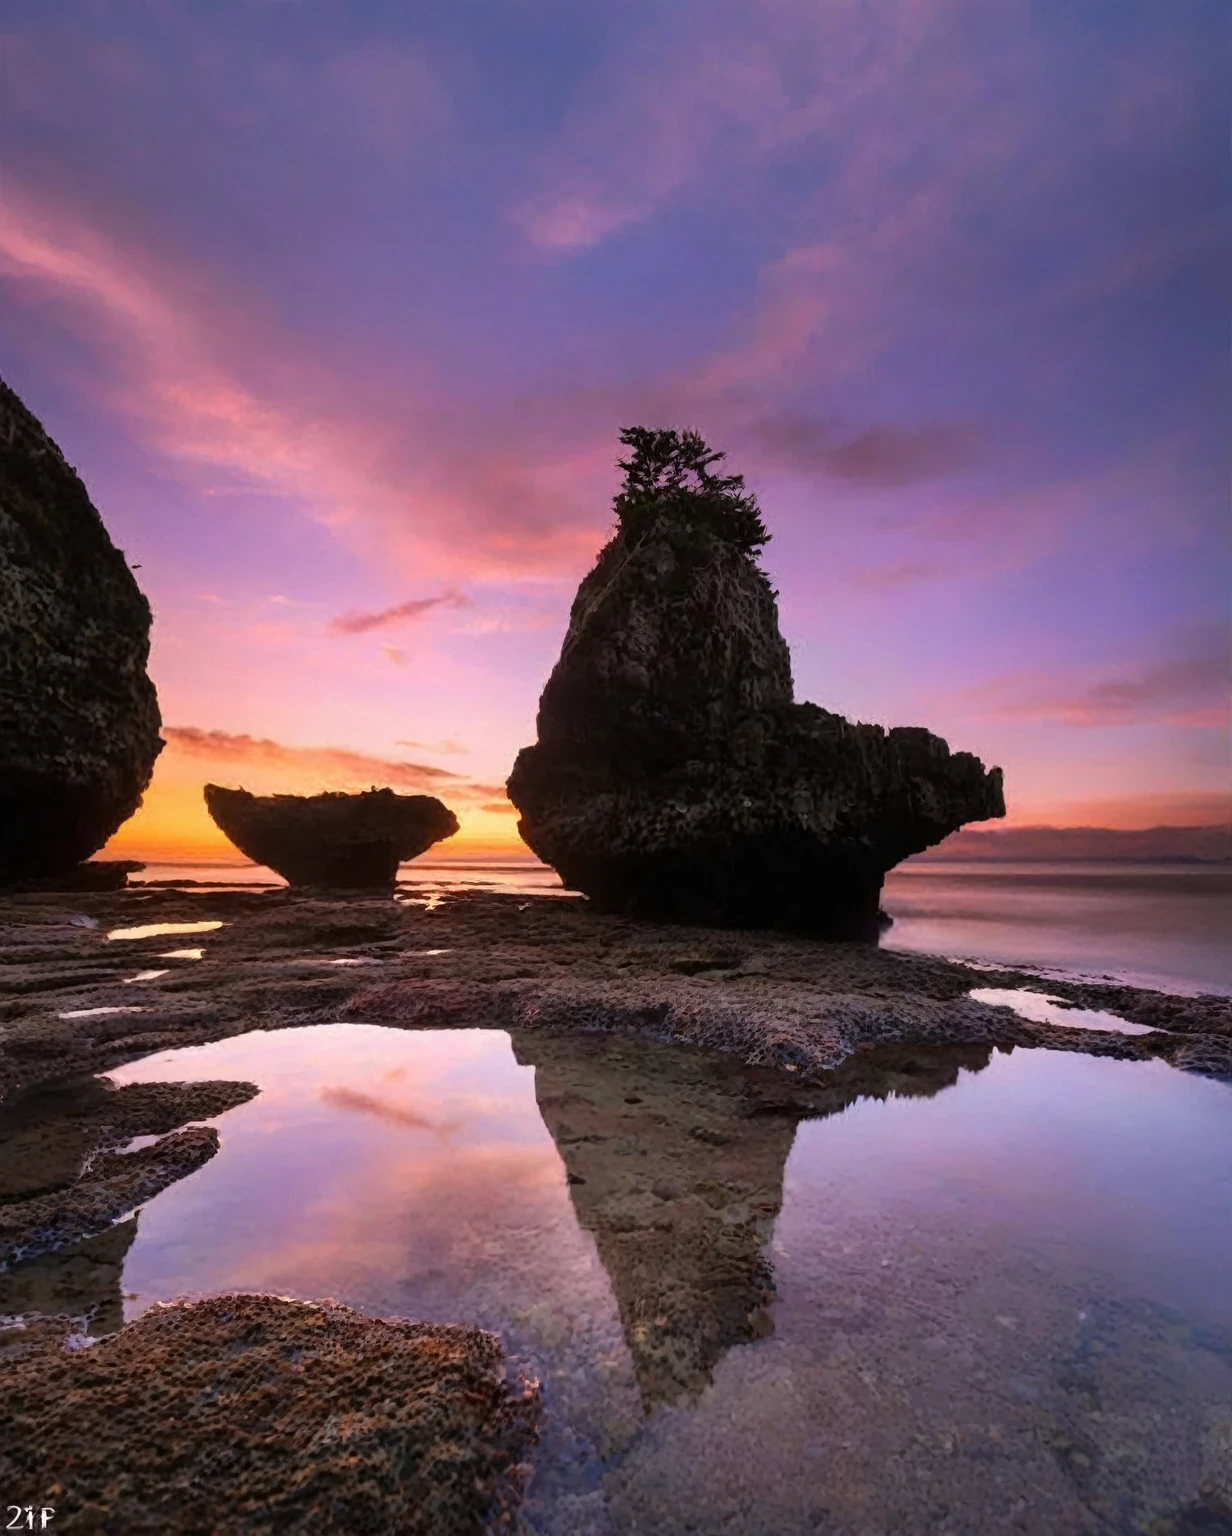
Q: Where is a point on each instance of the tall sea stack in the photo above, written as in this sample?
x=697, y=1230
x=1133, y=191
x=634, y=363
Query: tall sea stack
x=78, y=715
x=674, y=777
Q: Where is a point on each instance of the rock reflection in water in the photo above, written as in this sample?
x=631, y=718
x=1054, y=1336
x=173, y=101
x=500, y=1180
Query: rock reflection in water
x=65, y=1184
x=81, y=1282
x=675, y=1164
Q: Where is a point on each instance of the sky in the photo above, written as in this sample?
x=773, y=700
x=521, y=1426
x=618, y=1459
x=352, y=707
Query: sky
x=338, y=308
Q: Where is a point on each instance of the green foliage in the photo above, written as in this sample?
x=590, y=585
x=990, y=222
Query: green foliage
x=671, y=470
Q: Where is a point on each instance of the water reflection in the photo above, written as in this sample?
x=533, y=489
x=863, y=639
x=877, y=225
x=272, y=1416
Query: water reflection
x=156, y=930
x=675, y=1163
x=1042, y=1009
x=947, y=1289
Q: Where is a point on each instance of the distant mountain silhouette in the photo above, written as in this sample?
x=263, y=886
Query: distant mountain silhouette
x=1207, y=844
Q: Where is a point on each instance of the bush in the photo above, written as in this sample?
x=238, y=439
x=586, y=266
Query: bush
x=671, y=471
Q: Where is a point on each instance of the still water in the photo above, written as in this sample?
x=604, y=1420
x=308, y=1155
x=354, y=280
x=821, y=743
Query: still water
x=986, y=1291
x=1165, y=926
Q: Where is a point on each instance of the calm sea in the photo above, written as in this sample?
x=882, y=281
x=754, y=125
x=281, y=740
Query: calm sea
x=1161, y=925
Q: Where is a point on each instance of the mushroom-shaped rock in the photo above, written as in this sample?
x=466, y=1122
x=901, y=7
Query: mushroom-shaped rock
x=674, y=777
x=333, y=840
x=78, y=715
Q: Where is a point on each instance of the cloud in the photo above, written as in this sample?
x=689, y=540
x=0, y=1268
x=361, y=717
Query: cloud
x=361, y=623
x=449, y=746
x=330, y=764
x=1187, y=688
x=1149, y=808
x=885, y=455
x=220, y=392
x=899, y=573
x=394, y=655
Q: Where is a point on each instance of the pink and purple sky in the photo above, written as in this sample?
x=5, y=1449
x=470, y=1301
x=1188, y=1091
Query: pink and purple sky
x=338, y=308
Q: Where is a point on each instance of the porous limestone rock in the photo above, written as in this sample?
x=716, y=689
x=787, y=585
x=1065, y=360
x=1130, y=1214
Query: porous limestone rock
x=674, y=777
x=331, y=840
x=246, y=1414
x=79, y=717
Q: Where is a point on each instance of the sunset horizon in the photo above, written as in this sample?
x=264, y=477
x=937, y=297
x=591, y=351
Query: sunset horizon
x=349, y=399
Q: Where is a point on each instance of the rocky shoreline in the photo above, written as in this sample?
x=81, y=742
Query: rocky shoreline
x=75, y=1001
x=774, y=1029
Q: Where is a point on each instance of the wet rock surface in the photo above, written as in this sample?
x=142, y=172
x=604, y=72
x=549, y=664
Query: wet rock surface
x=331, y=840
x=257, y=1414
x=674, y=777
x=798, y=1006
x=63, y=1177
x=79, y=718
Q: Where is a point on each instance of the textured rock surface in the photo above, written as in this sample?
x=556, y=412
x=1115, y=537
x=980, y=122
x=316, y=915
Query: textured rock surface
x=78, y=715
x=63, y=1177
x=332, y=839
x=675, y=778
x=257, y=1414
x=484, y=959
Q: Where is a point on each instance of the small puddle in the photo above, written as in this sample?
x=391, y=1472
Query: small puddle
x=182, y=954
x=89, y=1013
x=155, y=930
x=145, y=976
x=1039, y=1008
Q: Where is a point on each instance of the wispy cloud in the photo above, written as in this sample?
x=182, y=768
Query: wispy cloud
x=888, y=454
x=1187, y=688
x=449, y=746
x=360, y=623
x=331, y=764
x=403, y=480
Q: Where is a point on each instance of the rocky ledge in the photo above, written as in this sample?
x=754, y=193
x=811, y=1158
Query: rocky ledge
x=259, y=1414
x=284, y=957
x=79, y=718
x=674, y=776
x=331, y=840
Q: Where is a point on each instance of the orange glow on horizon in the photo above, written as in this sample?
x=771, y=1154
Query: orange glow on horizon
x=173, y=823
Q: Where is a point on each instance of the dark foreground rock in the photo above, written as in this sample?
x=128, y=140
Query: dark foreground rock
x=256, y=1414
x=674, y=777
x=79, y=717
x=331, y=840
x=94, y=875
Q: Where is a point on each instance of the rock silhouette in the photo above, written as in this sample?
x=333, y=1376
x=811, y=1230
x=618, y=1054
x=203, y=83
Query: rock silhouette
x=675, y=1163
x=79, y=717
x=673, y=776
x=331, y=840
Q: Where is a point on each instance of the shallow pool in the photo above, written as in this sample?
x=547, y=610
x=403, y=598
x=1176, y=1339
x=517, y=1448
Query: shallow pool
x=989, y=1291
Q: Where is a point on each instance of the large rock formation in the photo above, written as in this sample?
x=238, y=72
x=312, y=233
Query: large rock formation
x=78, y=715
x=674, y=777
x=343, y=841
